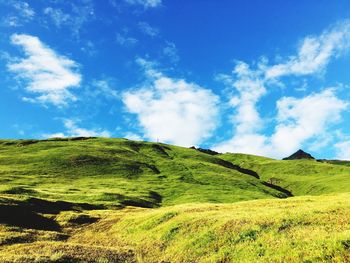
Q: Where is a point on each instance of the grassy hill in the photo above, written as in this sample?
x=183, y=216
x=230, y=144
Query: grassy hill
x=300, y=177
x=118, y=171
x=116, y=200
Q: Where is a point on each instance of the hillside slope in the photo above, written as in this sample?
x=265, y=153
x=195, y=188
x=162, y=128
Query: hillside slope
x=297, y=229
x=119, y=172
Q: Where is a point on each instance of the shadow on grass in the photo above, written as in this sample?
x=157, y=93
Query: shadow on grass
x=27, y=213
x=152, y=200
x=83, y=219
x=278, y=188
x=23, y=217
x=55, y=207
x=236, y=167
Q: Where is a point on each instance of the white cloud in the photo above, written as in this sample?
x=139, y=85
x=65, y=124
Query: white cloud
x=321, y=141
x=73, y=130
x=76, y=131
x=54, y=135
x=148, y=29
x=298, y=120
x=45, y=72
x=305, y=118
x=343, y=150
x=173, y=110
x=133, y=136
x=249, y=89
x=149, y=68
x=251, y=143
x=126, y=41
x=145, y=3
x=314, y=53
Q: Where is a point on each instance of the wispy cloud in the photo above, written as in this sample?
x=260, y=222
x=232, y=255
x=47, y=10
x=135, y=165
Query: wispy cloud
x=172, y=110
x=80, y=13
x=22, y=13
x=126, y=41
x=314, y=53
x=57, y=16
x=171, y=52
x=102, y=88
x=73, y=130
x=24, y=9
x=45, y=72
x=145, y=3
x=148, y=29
x=88, y=47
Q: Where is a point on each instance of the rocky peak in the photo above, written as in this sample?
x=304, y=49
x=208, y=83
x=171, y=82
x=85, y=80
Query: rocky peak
x=300, y=154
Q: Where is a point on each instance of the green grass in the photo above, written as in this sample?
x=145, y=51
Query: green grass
x=115, y=200
x=118, y=171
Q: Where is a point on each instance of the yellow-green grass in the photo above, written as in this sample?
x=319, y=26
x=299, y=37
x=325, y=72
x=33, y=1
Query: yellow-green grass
x=297, y=229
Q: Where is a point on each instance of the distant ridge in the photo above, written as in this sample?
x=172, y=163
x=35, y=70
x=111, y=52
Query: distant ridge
x=300, y=154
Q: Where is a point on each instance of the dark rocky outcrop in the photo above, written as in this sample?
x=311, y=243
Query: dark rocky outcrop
x=300, y=154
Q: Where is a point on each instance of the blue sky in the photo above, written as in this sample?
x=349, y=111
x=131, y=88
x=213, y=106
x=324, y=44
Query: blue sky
x=260, y=77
